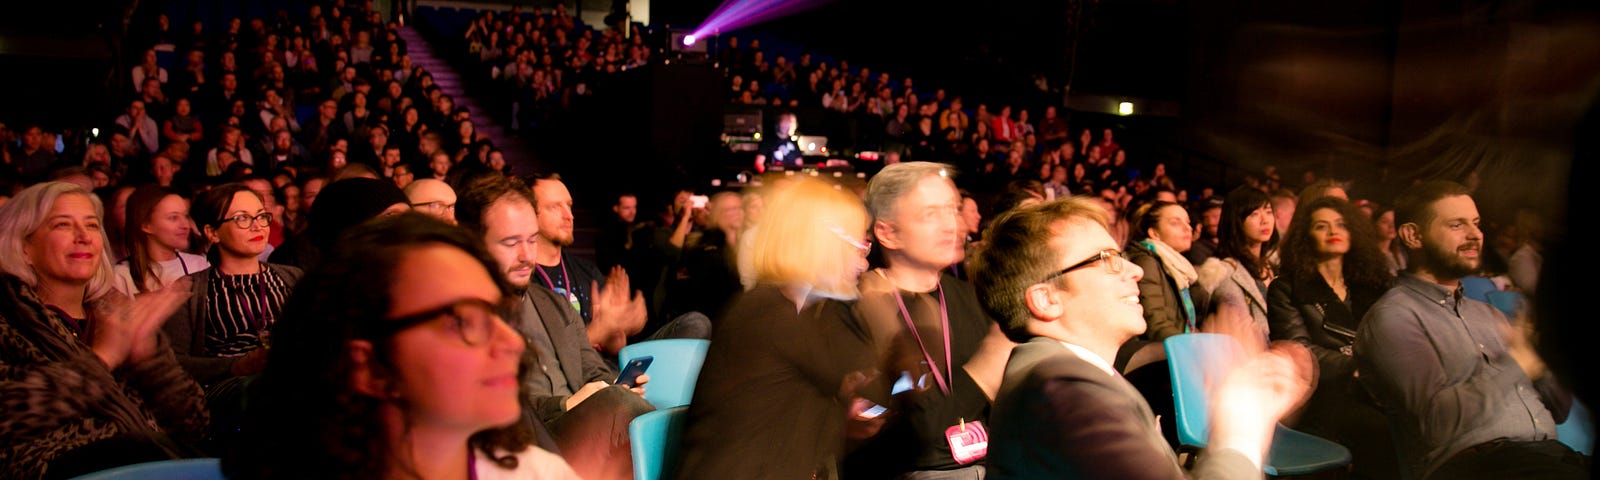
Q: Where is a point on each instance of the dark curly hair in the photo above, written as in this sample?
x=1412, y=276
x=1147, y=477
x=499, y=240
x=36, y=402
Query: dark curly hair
x=303, y=418
x=1231, y=241
x=1363, y=264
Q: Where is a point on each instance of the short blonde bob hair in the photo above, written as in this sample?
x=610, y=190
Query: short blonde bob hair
x=798, y=239
x=23, y=215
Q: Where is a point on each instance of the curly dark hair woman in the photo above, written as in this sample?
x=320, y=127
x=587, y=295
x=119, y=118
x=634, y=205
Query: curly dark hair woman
x=1333, y=272
x=388, y=355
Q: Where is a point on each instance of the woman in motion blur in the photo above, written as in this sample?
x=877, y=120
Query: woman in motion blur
x=778, y=385
x=393, y=361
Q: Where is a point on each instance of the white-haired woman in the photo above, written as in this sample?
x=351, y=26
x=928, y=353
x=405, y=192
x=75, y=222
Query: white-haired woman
x=85, y=378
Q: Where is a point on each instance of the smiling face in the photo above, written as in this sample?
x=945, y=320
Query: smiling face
x=1452, y=242
x=446, y=383
x=1093, y=298
x=67, y=246
x=241, y=242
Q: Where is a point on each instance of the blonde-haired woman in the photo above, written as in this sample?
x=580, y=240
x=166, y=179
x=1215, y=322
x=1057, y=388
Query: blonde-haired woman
x=786, y=357
x=63, y=332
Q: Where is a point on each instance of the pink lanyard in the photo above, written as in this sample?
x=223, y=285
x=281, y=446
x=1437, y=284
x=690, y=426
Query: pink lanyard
x=944, y=321
x=564, y=278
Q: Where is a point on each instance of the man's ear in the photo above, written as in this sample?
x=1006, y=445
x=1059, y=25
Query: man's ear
x=885, y=235
x=1043, y=303
x=1410, y=235
x=364, y=375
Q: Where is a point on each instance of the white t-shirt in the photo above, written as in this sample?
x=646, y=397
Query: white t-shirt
x=533, y=463
x=165, y=272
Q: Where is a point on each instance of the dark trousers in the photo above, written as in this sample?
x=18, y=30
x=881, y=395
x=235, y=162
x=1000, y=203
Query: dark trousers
x=1546, y=459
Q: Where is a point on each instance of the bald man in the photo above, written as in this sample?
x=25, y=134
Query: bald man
x=433, y=197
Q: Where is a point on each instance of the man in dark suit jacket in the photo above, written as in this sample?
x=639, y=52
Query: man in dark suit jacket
x=569, y=392
x=1053, y=273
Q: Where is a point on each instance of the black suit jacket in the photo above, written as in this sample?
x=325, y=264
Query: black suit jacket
x=1059, y=416
x=578, y=360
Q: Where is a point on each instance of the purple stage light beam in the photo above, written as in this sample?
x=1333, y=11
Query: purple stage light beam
x=737, y=14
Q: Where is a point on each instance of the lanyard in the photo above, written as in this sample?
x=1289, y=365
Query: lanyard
x=944, y=321
x=564, y=278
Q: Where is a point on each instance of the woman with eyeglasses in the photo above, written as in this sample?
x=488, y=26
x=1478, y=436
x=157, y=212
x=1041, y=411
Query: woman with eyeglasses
x=394, y=362
x=1333, y=272
x=221, y=332
x=1240, y=272
x=787, y=356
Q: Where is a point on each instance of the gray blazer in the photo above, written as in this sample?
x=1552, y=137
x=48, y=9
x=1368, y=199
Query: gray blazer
x=187, y=330
x=578, y=360
x=1059, y=416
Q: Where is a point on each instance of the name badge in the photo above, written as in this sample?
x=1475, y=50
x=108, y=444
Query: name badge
x=969, y=442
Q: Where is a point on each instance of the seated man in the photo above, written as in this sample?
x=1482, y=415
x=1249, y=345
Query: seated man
x=610, y=308
x=1052, y=272
x=434, y=198
x=570, y=394
x=1466, y=395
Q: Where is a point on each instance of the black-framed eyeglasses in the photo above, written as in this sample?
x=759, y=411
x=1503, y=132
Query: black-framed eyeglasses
x=472, y=318
x=244, y=220
x=1110, y=259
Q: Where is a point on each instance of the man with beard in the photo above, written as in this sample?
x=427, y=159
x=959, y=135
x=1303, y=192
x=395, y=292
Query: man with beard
x=610, y=308
x=1466, y=395
x=569, y=392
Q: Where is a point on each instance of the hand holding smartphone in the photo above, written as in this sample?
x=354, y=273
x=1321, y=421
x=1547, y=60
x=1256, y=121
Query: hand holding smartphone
x=633, y=370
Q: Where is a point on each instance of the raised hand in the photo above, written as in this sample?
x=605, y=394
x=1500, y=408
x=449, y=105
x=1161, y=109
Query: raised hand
x=125, y=330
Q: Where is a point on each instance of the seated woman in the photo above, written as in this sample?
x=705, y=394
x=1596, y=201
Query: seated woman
x=1332, y=273
x=155, y=242
x=1161, y=233
x=393, y=361
x=87, y=381
x=221, y=332
x=787, y=355
x=1240, y=271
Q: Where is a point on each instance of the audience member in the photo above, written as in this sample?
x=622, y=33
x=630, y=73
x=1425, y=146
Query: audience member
x=1465, y=394
x=1240, y=273
x=91, y=382
x=1169, y=290
x=395, y=351
x=434, y=198
x=569, y=393
x=1332, y=274
x=789, y=341
x=157, y=242
x=1062, y=411
x=931, y=325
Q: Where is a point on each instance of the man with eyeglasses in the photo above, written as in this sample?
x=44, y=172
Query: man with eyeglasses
x=1465, y=393
x=434, y=198
x=1053, y=277
x=570, y=389
x=949, y=352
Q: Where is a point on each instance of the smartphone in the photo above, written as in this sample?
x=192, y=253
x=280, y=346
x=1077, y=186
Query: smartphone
x=633, y=370
x=699, y=201
x=874, y=412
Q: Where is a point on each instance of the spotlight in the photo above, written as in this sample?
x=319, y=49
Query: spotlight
x=1125, y=108
x=688, y=40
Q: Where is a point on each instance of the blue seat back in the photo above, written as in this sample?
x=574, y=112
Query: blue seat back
x=1577, y=432
x=674, y=371
x=188, y=469
x=1508, y=302
x=1477, y=288
x=1197, y=361
x=654, y=438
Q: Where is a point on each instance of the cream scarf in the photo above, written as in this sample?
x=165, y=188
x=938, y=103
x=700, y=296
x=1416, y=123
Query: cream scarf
x=1174, y=263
